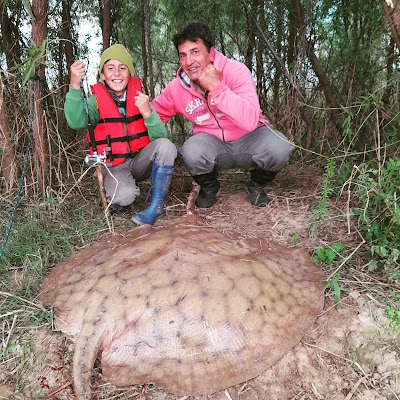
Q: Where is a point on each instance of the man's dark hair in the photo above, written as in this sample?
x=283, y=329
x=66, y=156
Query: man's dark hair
x=193, y=32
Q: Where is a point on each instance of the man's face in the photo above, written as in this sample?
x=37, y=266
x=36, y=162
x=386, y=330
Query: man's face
x=194, y=57
x=116, y=75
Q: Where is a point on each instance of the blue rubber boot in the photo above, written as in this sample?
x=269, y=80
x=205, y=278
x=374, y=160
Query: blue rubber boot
x=161, y=176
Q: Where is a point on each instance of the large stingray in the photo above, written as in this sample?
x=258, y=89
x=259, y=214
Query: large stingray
x=186, y=307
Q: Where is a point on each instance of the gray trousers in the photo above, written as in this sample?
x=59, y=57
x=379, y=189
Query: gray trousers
x=120, y=181
x=265, y=148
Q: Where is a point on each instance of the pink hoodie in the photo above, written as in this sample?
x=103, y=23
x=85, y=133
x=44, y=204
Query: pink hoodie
x=231, y=109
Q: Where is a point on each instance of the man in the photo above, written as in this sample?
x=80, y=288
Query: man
x=126, y=129
x=218, y=96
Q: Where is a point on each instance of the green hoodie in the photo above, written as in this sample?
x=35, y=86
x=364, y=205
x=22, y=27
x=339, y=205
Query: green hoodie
x=77, y=118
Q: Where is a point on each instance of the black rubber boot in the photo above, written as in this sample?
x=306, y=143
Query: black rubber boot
x=209, y=189
x=255, y=188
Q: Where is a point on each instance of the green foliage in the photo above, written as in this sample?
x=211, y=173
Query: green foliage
x=41, y=317
x=349, y=40
x=333, y=284
x=328, y=254
x=393, y=310
x=42, y=235
x=16, y=348
x=321, y=210
x=347, y=129
x=45, y=234
x=36, y=57
x=295, y=240
x=378, y=213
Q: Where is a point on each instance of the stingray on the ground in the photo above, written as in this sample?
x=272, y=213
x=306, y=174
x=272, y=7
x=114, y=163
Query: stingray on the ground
x=185, y=307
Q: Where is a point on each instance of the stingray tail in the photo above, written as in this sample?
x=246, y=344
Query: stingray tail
x=86, y=349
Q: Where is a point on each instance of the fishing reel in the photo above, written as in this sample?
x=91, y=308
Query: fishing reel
x=95, y=160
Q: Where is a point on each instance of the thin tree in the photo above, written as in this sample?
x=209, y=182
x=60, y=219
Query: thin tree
x=106, y=25
x=329, y=91
x=66, y=32
x=149, y=46
x=391, y=9
x=66, y=46
x=280, y=64
x=11, y=49
x=39, y=35
x=8, y=164
x=143, y=44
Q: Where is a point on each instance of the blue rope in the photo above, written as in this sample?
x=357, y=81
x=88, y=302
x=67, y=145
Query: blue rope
x=21, y=182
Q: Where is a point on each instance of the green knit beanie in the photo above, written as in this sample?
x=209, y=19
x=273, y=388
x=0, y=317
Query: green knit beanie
x=120, y=53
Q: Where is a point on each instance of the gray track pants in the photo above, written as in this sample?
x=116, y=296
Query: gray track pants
x=264, y=148
x=120, y=181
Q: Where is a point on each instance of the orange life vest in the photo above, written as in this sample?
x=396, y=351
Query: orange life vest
x=111, y=136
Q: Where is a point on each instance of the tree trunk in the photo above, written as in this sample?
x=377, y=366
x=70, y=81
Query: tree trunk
x=276, y=84
x=250, y=35
x=106, y=24
x=279, y=64
x=6, y=36
x=142, y=13
x=390, y=68
x=260, y=72
x=149, y=47
x=9, y=167
x=67, y=46
x=291, y=50
x=66, y=34
x=327, y=88
x=8, y=164
x=392, y=15
x=12, y=52
x=39, y=35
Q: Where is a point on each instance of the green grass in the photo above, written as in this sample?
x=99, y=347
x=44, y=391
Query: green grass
x=41, y=236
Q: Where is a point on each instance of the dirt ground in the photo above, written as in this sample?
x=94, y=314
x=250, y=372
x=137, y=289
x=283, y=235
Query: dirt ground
x=349, y=353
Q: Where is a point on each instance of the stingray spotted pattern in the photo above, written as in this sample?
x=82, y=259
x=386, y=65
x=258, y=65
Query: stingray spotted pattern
x=185, y=307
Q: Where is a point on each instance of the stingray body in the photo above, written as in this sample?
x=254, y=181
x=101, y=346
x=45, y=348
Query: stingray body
x=185, y=307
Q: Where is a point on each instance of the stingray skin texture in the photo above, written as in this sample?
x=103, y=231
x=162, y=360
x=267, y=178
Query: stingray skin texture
x=185, y=307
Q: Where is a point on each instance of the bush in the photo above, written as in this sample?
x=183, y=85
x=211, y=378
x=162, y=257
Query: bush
x=378, y=213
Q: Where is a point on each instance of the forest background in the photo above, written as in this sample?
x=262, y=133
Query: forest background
x=327, y=75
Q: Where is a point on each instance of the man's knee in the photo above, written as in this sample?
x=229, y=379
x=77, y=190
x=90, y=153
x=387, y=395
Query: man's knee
x=197, y=149
x=277, y=151
x=282, y=153
x=196, y=160
x=190, y=154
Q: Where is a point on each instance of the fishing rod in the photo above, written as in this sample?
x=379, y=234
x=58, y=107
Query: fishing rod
x=94, y=159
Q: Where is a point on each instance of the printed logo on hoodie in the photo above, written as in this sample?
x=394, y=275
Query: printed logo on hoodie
x=193, y=105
